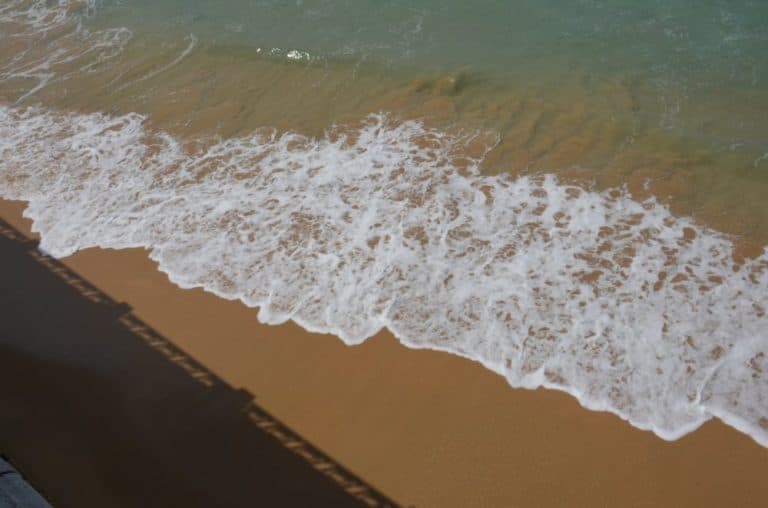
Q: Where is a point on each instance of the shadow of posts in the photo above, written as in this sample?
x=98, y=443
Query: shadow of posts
x=101, y=410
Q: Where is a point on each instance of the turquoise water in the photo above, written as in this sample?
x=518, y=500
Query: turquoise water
x=699, y=43
x=680, y=56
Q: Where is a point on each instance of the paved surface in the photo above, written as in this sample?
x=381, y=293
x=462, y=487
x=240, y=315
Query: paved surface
x=15, y=492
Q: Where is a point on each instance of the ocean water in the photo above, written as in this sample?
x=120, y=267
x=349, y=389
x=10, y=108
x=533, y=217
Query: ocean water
x=569, y=192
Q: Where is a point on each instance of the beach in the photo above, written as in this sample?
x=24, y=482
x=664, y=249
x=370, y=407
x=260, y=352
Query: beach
x=481, y=255
x=429, y=428
x=102, y=410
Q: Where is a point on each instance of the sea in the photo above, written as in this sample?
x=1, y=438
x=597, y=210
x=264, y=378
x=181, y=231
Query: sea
x=570, y=192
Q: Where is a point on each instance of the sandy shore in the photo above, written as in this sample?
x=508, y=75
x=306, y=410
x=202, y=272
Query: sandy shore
x=101, y=411
x=427, y=428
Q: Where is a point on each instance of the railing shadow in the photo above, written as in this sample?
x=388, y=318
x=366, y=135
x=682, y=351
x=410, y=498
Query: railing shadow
x=102, y=410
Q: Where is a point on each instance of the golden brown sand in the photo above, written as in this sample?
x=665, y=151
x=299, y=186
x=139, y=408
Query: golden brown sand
x=428, y=428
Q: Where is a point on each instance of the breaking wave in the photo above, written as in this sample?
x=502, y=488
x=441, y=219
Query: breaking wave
x=391, y=224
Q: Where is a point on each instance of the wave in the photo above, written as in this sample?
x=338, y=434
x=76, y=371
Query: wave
x=391, y=225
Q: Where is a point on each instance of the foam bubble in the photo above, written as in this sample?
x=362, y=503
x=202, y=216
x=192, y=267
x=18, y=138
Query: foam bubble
x=390, y=224
x=52, y=42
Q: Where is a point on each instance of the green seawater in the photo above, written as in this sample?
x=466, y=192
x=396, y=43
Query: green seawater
x=699, y=68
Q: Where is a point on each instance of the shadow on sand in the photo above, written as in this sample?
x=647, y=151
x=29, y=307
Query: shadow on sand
x=99, y=410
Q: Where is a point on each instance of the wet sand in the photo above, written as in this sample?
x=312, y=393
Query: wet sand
x=428, y=428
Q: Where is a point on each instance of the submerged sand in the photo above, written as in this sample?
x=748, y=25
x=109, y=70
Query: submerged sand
x=428, y=428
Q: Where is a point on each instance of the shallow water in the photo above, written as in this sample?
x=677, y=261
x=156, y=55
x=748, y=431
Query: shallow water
x=569, y=193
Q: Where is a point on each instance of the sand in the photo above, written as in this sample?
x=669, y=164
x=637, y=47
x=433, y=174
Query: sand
x=101, y=411
x=427, y=428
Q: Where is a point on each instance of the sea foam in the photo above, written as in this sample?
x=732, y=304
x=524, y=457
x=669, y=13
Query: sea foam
x=390, y=225
x=52, y=42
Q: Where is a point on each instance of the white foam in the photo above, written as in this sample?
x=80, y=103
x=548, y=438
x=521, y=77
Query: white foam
x=54, y=41
x=389, y=227
x=295, y=55
x=184, y=54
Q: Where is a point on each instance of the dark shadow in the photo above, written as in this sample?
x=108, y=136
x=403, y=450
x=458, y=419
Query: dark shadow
x=99, y=410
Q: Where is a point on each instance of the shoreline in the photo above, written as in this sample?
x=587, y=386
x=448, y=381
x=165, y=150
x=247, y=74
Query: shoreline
x=415, y=422
x=77, y=369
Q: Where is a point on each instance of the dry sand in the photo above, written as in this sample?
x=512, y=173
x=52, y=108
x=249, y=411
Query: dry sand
x=428, y=428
